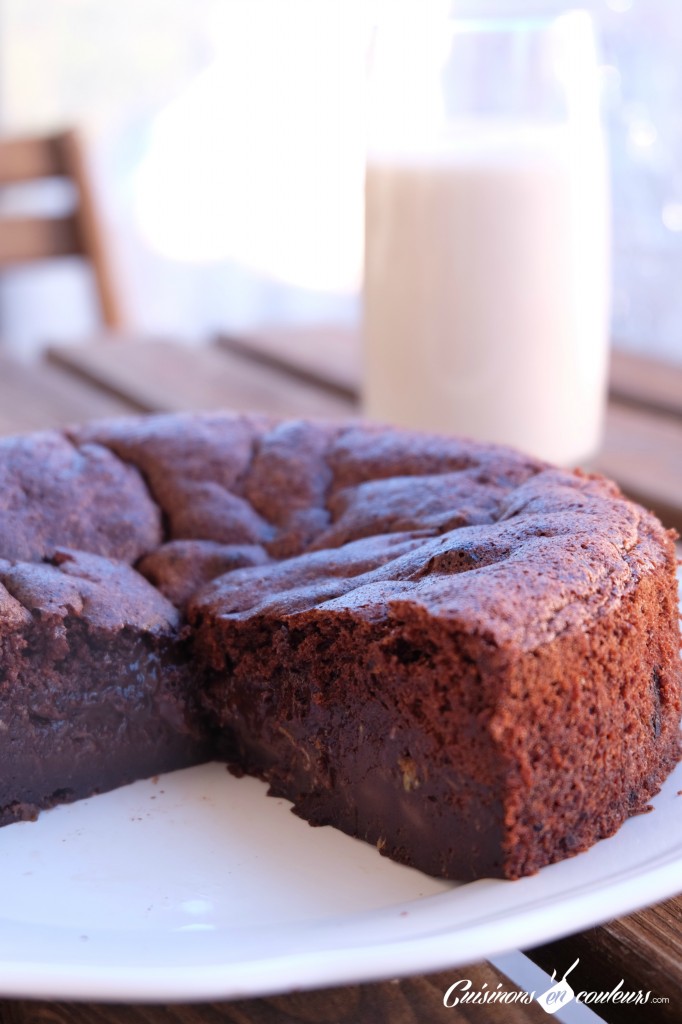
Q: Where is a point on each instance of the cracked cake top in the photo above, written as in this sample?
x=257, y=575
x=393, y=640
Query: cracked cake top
x=236, y=516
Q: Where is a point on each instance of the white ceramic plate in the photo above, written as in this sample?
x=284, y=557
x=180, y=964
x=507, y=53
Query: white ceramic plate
x=197, y=886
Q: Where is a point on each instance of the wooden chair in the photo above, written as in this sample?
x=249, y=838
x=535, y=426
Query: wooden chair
x=24, y=239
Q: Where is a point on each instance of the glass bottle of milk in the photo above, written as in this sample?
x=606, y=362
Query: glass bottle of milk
x=487, y=272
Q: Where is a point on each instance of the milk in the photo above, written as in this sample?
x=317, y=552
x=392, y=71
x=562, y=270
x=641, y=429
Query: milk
x=487, y=287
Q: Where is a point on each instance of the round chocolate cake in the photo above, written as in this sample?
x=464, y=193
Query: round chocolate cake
x=458, y=653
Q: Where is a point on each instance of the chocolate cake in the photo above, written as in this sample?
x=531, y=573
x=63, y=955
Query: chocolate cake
x=460, y=654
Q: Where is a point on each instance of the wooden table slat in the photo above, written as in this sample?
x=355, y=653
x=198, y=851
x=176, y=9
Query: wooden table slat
x=643, y=453
x=326, y=355
x=647, y=383
x=643, y=949
x=410, y=1001
x=37, y=396
x=332, y=356
x=165, y=377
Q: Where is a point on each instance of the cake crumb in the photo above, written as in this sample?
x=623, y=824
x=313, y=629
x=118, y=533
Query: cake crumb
x=409, y=773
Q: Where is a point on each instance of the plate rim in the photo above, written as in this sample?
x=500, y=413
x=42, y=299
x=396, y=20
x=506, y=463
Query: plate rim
x=517, y=926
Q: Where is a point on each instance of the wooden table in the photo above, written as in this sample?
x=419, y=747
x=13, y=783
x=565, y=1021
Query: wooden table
x=316, y=373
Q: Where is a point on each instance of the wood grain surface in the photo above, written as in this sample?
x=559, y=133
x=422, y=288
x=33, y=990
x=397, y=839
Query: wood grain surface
x=160, y=376
x=38, y=396
x=326, y=355
x=411, y=1001
x=642, y=451
x=646, y=383
x=644, y=949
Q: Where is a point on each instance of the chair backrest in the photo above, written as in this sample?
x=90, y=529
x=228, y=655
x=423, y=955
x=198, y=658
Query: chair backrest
x=24, y=239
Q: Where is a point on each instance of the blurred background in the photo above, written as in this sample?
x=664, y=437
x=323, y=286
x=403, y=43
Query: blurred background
x=226, y=143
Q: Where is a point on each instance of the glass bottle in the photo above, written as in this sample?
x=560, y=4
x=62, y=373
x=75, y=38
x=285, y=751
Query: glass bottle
x=487, y=241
